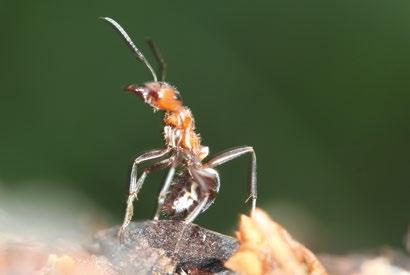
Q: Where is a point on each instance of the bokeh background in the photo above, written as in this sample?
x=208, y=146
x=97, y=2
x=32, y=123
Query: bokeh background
x=319, y=88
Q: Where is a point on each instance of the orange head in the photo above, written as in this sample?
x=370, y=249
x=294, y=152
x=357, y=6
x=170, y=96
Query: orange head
x=160, y=95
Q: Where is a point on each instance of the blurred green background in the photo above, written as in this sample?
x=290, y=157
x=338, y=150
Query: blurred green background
x=319, y=88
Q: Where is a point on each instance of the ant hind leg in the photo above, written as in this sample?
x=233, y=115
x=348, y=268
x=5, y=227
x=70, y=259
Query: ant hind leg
x=208, y=180
x=233, y=154
x=200, y=207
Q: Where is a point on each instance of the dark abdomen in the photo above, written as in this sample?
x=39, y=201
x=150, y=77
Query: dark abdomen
x=183, y=196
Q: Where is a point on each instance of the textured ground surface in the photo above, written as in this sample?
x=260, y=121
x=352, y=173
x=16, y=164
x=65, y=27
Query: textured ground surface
x=165, y=247
x=171, y=247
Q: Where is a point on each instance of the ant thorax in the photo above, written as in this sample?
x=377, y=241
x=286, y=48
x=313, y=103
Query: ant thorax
x=179, y=132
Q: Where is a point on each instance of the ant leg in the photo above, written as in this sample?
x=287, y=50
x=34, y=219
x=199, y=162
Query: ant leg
x=150, y=155
x=200, y=207
x=164, y=191
x=130, y=208
x=135, y=183
x=232, y=154
x=206, y=178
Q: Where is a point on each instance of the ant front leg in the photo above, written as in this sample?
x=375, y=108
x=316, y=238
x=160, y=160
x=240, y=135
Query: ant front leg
x=135, y=183
x=233, y=154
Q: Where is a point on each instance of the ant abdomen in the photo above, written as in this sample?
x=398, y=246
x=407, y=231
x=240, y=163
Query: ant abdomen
x=183, y=196
x=185, y=193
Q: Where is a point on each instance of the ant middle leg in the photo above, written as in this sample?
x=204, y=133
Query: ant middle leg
x=164, y=191
x=233, y=154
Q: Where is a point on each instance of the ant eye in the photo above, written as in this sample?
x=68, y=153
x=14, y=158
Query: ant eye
x=154, y=95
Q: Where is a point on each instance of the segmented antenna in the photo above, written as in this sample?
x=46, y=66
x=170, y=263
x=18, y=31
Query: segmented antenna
x=130, y=44
x=159, y=58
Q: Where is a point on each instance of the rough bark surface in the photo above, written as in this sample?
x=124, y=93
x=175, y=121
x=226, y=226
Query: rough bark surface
x=165, y=247
x=171, y=247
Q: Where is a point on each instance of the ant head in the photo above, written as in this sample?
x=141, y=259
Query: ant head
x=160, y=95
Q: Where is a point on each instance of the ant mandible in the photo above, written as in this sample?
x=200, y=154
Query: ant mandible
x=193, y=188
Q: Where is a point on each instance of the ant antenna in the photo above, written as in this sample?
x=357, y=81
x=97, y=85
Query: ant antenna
x=159, y=58
x=130, y=44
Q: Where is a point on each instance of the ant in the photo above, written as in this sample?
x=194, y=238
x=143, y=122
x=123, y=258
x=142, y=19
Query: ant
x=191, y=185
